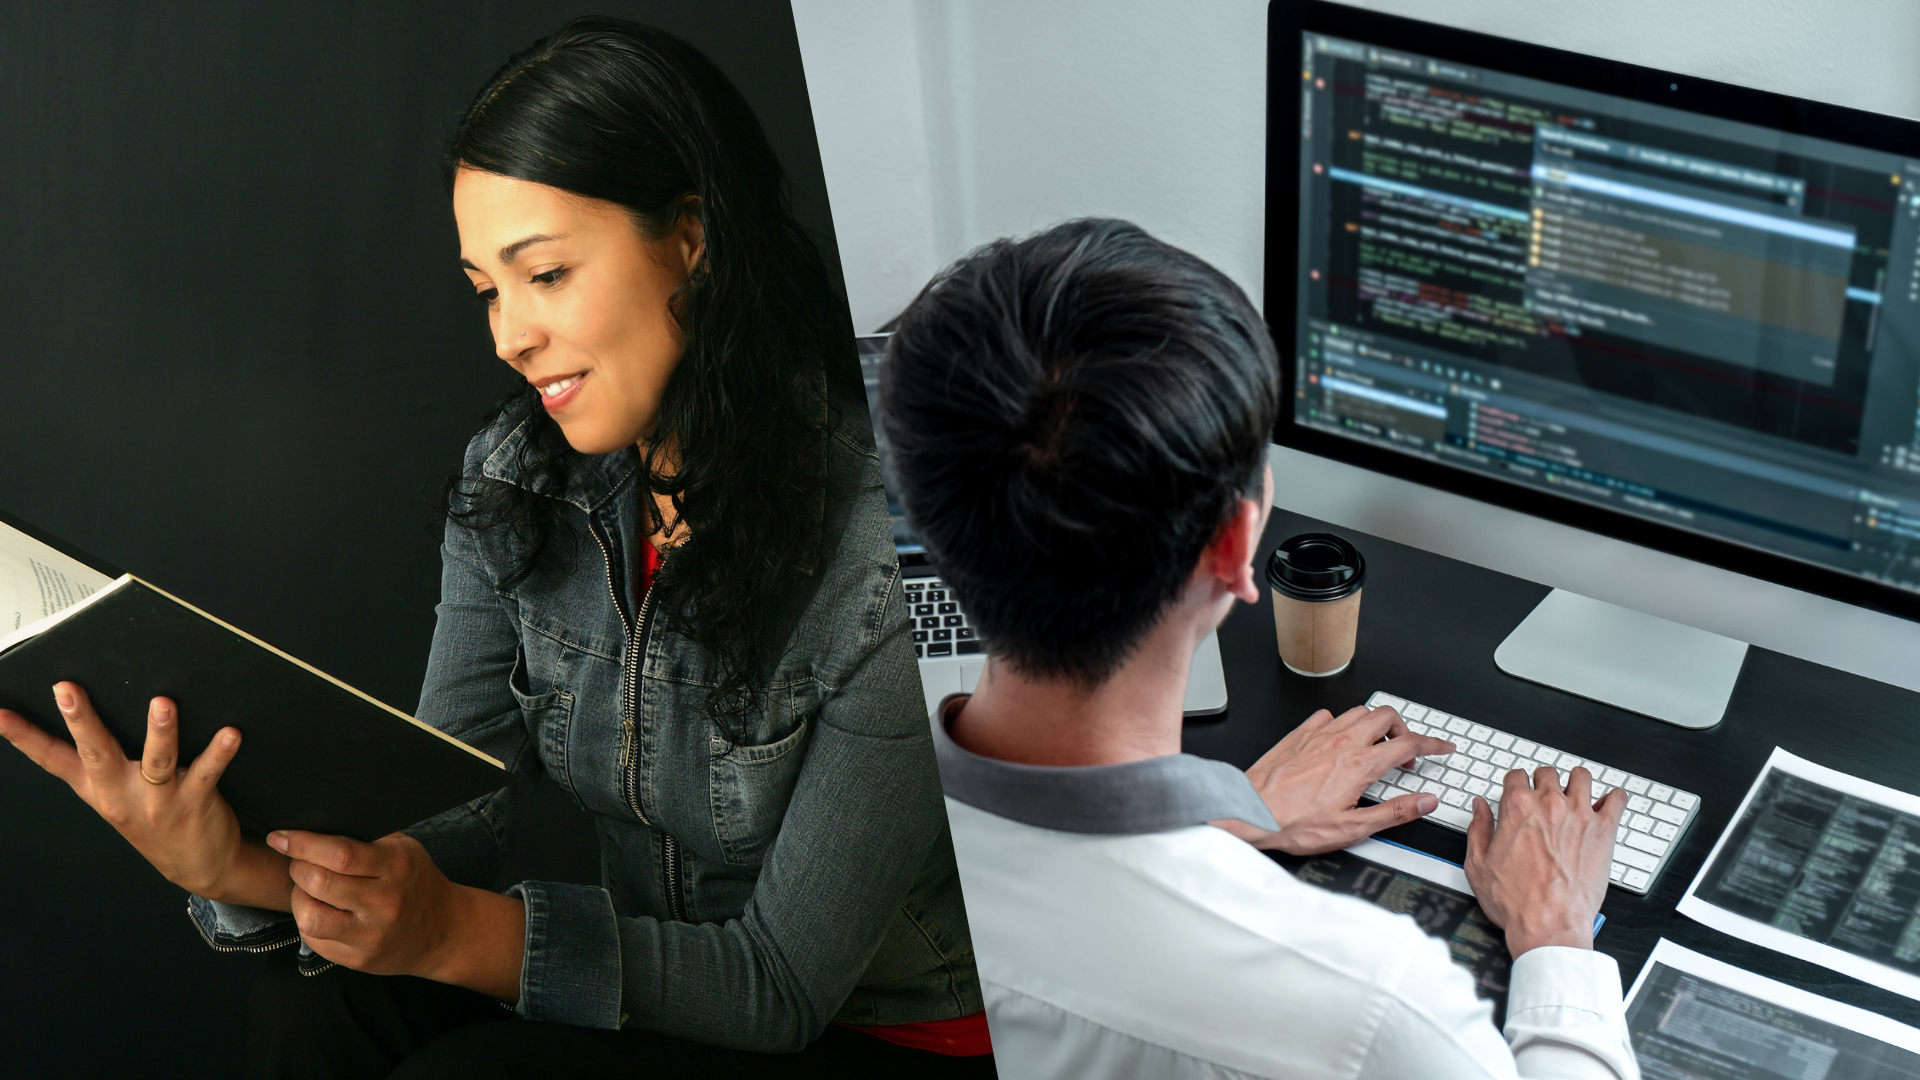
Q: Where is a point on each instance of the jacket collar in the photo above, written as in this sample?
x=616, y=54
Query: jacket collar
x=592, y=479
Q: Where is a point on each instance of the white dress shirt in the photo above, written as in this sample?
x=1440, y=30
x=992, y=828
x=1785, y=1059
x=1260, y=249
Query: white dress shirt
x=1152, y=951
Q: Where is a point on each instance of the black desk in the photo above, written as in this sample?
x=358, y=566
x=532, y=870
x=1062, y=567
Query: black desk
x=1428, y=628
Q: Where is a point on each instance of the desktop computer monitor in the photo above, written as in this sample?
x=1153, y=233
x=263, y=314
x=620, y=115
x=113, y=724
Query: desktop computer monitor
x=1672, y=311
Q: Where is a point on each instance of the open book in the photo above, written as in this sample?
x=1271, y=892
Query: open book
x=315, y=753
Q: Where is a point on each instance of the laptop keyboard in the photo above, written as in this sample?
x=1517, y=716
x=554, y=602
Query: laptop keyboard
x=1649, y=832
x=940, y=628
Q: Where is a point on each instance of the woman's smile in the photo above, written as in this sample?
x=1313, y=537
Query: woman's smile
x=555, y=394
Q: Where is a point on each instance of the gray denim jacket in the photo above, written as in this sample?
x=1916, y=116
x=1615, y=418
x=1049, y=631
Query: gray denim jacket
x=748, y=897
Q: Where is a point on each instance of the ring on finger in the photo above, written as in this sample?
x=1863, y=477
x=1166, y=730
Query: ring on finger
x=167, y=779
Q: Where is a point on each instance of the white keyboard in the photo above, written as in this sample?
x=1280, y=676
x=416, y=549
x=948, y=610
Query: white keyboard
x=1657, y=815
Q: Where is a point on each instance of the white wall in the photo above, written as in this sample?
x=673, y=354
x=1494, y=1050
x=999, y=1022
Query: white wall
x=947, y=123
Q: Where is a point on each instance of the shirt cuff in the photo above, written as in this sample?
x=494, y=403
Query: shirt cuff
x=571, y=971
x=1563, y=977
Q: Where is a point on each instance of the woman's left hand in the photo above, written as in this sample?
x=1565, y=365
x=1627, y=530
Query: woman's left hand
x=386, y=909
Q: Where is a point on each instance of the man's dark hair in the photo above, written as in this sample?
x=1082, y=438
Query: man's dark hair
x=1073, y=418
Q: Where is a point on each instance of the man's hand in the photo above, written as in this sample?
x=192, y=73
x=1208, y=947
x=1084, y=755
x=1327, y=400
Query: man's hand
x=1313, y=779
x=385, y=908
x=1541, y=872
x=174, y=817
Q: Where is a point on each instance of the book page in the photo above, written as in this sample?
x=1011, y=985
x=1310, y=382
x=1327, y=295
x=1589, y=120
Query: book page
x=39, y=586
x=36, y=581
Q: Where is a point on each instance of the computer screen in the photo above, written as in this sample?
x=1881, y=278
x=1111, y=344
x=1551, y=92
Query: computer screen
x=1701, y=323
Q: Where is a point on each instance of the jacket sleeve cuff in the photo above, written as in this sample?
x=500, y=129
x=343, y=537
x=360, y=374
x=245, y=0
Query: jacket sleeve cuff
x=571, y=972
x=234, y=928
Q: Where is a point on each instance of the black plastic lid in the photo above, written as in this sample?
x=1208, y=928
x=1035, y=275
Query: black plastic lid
x=1316, y=567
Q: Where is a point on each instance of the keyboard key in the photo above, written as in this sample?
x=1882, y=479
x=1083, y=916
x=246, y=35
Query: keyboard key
x=1454, y=798
x=1660, y=793
x=1613, y=777
x=1665, y=831
x=955, y=620
x=1641, y=822
x=1620, y=833
x=1433, y=787
x=919, y=650
x=949, y=608
x=1394, y=791
x=1638, y=859
x=1545, y=754
x=1479, y=733
x=920, y=635
x=1481, y=751
x=1669, y=813
x=1568, y=761
x=1639, y=804
x=1523, y=748
x=965, y=633
x=1638, y=785
x=930, y=622
x=1684, y=800
x=923, y=609
x=943, y=635
x=1390, y=701
x=1652, y=845
x=1481, y=769
x=1477, y=786
x=1452, y=815
x=967, y=646
x=1617, y=872
x=944, y=648
x=1410, y=712
x=1501, y=740
x=1458, y=726
x=1376, y=790
x=1454, y=778
x=1501, y=759
x=937, y=595
x=1436, y=718
x=1431, y=769
x=1637, y=880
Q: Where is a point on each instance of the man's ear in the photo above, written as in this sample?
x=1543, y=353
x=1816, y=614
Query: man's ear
x=1228, y=558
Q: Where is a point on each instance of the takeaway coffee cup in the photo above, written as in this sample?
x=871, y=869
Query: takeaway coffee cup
x=1316, y=579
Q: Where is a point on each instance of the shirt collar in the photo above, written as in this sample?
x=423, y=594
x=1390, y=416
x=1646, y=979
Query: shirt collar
x=1153, y=795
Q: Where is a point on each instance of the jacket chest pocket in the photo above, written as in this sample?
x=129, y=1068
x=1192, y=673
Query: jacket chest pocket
x=750, y=791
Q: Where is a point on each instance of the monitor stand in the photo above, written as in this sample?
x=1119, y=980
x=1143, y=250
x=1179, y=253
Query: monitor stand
x=1624, y=658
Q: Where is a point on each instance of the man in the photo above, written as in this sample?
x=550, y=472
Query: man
x=1079, y=423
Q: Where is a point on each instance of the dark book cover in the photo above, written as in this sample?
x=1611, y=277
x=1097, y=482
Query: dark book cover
x=314, y=754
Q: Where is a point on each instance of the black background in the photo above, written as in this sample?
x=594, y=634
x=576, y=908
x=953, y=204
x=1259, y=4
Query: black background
x=237, y=354
x=1428, y=629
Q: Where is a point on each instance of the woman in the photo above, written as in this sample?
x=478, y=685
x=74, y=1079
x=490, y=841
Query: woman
x=669, y=586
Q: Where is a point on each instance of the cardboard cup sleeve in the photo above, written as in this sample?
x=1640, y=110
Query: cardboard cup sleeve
x=1316, y=580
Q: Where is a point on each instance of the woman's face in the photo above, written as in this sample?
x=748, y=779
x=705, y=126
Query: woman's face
x=577, y=297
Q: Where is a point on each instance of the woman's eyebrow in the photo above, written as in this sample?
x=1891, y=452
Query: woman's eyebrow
x=513, y=250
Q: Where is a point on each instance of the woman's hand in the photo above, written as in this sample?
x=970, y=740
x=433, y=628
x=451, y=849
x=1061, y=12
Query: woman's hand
x=173, y=817
x=385, y=908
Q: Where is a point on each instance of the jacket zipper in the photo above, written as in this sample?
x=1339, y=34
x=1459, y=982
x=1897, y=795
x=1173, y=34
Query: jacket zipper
x=629, y=680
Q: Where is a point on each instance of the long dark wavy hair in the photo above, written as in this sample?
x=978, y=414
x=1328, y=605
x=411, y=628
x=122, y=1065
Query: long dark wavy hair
x=629, y=114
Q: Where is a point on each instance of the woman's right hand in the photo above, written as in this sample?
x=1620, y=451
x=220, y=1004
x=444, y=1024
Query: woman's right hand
x=176, y=818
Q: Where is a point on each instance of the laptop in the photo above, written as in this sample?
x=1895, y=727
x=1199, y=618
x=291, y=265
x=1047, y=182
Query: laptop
x=951, y=655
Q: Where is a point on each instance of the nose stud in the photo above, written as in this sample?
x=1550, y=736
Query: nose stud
x=523, y=333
